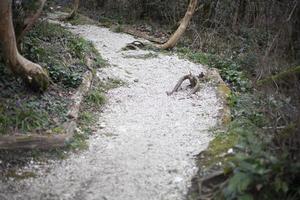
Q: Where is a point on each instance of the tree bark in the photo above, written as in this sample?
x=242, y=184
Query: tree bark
x=74, y=11
x=30, y=21
x=182, y=27
x=32, y=73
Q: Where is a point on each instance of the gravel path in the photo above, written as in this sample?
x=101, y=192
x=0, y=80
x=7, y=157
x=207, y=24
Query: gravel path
x=147, y=141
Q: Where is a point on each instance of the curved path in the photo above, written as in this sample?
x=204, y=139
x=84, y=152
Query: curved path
x=146, y=143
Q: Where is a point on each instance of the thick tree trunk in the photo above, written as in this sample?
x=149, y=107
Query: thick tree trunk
x=182, y=27
x=30, y=21
x=74, y=11
x=32, y=73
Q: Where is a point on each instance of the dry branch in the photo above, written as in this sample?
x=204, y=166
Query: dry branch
x=135, y=45
x=194, y=83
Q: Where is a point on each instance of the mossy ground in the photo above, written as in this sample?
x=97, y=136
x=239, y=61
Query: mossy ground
x=23, y=111
x=62, y=54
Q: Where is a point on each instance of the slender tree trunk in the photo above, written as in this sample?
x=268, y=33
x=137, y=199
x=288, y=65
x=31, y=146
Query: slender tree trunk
x=32, y=73
x=182, y=27
x=30, y=21
x=235, y=26
x=74, y=11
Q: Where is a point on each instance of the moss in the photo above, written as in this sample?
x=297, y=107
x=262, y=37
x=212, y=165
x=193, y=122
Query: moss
x=216, y=153
x=224, y=93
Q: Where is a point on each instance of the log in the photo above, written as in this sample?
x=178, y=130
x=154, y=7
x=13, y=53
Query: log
x=38, y=141
x=78, y=96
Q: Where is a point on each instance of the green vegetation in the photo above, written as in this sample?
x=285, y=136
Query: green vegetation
x=22, y=118
x=250, y=155
x=230, y=70
x=61, y=52
x=96, y=97
x=64, y=55
x=248, y=151
x=111, y=84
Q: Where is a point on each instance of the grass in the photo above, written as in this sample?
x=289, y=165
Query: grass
x=63, y=54
x=230, y=70
x=110, y=84
x=22, y=118
x=96, y=98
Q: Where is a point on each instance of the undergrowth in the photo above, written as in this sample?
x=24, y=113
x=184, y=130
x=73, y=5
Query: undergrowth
x=230, y=70
x=249, y=151
x=64, y=55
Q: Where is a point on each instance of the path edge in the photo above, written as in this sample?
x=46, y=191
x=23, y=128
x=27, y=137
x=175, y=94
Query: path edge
x=51, y=141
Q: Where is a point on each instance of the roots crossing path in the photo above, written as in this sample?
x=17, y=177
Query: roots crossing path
x=146, y=143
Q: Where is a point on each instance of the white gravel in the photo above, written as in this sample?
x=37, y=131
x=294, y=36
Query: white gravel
x=146, y=143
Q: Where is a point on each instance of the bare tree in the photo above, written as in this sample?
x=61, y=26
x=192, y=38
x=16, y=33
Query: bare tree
x=182, y=27
x=31, y=72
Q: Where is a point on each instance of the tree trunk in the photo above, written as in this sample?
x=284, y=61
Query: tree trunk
x=182, y=27
x=30, y=21
x=74, y=11
x=32, y=73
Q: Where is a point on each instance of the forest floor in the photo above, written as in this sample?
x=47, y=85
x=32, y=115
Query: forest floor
x=145, y=142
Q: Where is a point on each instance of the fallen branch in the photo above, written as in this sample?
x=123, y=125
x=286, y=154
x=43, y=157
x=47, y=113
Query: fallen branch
x=135, y=45
x=194, y=83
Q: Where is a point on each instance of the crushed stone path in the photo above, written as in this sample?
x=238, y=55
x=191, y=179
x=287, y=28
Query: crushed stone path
x=146, y=144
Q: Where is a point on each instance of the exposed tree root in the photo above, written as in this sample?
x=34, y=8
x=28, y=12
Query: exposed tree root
x=194, y=83
x=210, y=185
x=135, y=45
x=32, y=73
